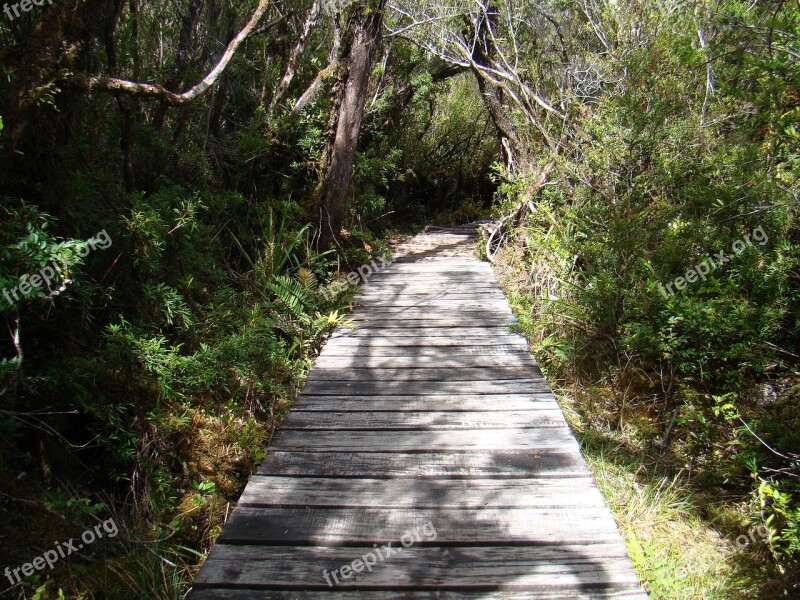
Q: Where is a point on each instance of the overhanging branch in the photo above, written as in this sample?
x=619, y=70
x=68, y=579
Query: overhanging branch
x=155, y=90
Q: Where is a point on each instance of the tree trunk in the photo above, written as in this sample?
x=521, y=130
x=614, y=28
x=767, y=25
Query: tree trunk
x=360, y=38
x=190, y=22
x=293, y=62
x=483, y=54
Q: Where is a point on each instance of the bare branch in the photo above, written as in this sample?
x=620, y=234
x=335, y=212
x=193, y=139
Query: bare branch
x=154, y=90
x=294, y=58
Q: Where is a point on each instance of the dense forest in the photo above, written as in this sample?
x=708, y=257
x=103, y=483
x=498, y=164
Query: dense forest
x=181, y=182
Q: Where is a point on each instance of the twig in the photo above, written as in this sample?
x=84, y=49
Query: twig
x=774, y=347
x=791, y=457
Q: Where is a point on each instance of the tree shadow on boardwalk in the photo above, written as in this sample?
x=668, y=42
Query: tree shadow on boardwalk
x=497, y=501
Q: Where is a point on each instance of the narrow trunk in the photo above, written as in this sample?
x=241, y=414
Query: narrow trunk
x=190, y=22
x=506, y=132
x=360, y=39
x=293, y=62
x=483, y=54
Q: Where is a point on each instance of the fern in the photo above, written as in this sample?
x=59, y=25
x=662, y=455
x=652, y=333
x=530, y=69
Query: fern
x=306, y=278
x=292, y=296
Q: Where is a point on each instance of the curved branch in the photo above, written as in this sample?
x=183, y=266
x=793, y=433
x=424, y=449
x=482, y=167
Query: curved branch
x=155, y=90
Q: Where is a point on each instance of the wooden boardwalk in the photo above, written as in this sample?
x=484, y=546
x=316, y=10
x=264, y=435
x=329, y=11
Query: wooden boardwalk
x=425, y=458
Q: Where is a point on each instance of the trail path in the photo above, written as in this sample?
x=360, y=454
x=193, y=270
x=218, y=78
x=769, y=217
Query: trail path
x=427, y=425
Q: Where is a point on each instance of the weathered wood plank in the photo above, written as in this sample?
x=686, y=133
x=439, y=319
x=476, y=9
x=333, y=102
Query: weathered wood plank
x=455, y=311
x=461, y=304
x=363, y=343
x=552, y=438
x=516, y=349
x=430, y=421
x=455, y=403
x=457, y=334
x=405, y=297
x=368, y=361
x=450, y=463
x=398, y=341
x=549, y=568
x=431, y=282
x=443, y=325
x=575, y=492
x=616, y=591
x=457, y=267
x=417, y=276
x=434, y=374
x=426, y=388
x=428, y=318
x=366, y=526
x=395, y=289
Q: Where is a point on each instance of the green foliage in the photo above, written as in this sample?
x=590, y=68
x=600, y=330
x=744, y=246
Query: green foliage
x=26, y=247
x=666, y=175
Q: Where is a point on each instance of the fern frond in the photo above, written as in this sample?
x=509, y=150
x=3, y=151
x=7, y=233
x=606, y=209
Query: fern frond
x=306, y=278
x=291, y=296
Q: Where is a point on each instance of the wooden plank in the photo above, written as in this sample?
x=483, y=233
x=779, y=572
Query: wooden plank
x=367, y=360
x=430, y=319
x=435, y=374
x=354, y=341
x=401, y=289
x=443, y=306
x=612, y=591
x=425, y=388
x=457, y=267
x=427, y=421
x=465, y=334
x=552, y=438
x=440, y=279
x=366, y=526
x=495, y=403
x=478, y=332
x=386, y=299
x=409, y=281
x=430, y=311
x=399, y=340
x=412, y=279
x=450, y=265
x=518, y=347
x=406, y=300
x=408, y=271
x=405, y=296
x=408, y=303
x=450, y=463
x=432, y=282
x=548, y=568
x=576, y=492
x=432, y=324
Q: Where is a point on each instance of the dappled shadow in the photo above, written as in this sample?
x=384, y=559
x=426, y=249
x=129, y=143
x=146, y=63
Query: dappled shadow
x=452, y=439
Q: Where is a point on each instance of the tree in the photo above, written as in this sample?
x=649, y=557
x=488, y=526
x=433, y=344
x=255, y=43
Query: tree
x=44, y=57
x=361, y=27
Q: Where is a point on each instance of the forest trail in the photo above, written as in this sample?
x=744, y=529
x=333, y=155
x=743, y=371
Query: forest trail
x=425, y=458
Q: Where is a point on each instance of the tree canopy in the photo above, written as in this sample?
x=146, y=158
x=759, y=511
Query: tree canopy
x=183, y=181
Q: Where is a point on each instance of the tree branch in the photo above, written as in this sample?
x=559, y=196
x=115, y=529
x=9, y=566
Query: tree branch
x=155, y=90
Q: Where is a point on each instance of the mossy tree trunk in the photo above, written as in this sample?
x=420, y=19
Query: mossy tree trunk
x=361, y=33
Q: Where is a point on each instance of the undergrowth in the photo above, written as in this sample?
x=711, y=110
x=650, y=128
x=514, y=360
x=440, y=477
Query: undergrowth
x=158, y=416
